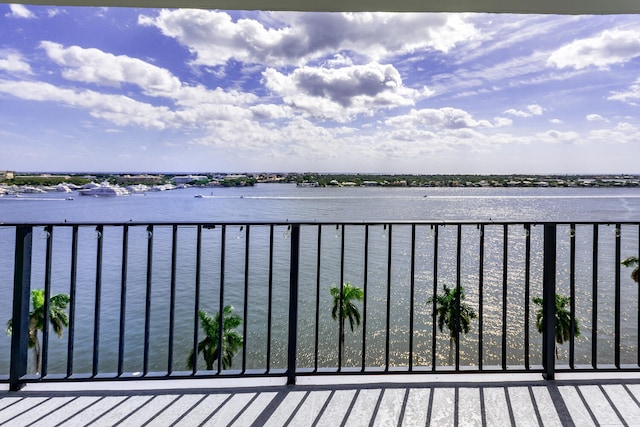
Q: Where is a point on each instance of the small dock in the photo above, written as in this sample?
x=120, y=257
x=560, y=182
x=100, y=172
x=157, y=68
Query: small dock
x=416, y=400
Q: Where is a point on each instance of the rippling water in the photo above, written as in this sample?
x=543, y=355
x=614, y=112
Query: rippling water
x=279, y=202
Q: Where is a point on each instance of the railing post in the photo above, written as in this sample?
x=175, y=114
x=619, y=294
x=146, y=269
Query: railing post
x=549, y=302
x=293, y=304
x=21, y=294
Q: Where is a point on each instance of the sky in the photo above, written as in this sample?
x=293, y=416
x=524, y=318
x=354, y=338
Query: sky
x=158, y=90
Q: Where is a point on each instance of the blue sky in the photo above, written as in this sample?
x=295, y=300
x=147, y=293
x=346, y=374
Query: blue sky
x=114, y=89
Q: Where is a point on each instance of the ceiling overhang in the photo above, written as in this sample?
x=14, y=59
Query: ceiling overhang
x=498, y=6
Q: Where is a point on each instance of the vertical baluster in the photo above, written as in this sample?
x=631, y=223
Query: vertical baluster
x=572, y=293
x=293, y=304
x=270, y=297
x=147, y=308
x=196, y=303
x=246, y=298
x=317, y=323
x=48, y=231
x=527, y=293
x=548, y=297
x=341, y=306
x=618, y=315
x=481, y=298
x=21, y=298
x=458, y=291
x=638, y=325
x=388, y=317
x=434, y=332
x=223, y=246
x=72, y=299
x=123, y=297
x=97, y=302
x=412, y=293
x=594, y=299
x=172, y=297
x=505, y=261
x=364, y=303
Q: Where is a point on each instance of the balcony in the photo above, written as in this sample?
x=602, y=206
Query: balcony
x=136, y=290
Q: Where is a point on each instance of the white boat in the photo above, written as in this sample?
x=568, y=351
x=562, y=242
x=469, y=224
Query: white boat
x=104, y=190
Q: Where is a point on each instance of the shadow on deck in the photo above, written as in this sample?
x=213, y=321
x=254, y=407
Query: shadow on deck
x=475, y=400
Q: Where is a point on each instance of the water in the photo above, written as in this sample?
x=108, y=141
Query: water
x=280, y=202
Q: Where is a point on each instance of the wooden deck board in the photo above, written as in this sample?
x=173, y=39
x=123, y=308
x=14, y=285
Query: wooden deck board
x=611, y=403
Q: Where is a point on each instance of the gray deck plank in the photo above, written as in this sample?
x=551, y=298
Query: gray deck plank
x=584, y=403
x=285, y=409
x=337, y=409
x=363, y=408
x=92, y=412
x=172, y=413
x=496, y=409
x=546, y=408
x=310, y=408
x=577, y=410
x=415, y=414
x=625, y=404
x=390, y=407
x=469, y=413
x=59, y=415
x=198, y=414
x=230, y=409
x=443, y=411
x=250, y=415
x=524, y=413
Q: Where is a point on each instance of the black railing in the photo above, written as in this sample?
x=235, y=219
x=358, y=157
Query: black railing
x=136, y=291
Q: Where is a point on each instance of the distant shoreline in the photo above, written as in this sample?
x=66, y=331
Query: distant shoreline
x=208, y=179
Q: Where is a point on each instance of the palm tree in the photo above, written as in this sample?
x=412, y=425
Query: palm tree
x=632, y=261
x=231, y=339
x=563, y=320
x=58, y=319
x=446, y=307
x=350, y=311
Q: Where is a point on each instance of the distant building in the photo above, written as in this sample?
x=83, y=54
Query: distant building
x=6, y=175
x=186, y=179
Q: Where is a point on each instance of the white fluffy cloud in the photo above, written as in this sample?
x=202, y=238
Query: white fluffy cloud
x=14, y=63
x=118, y=109
x=532, y=110
x=96, y=66
x=443, y=118
x=295, y=38
x=341, y=93
x=607, y=48
x=631, y=95
x=20, y=11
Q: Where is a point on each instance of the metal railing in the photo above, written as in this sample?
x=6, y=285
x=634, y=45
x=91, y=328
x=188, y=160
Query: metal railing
x=136, y=291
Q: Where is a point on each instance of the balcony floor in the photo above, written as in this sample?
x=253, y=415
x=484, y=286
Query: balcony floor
x=473, y=400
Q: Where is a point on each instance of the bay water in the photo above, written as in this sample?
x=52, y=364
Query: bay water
x=285, y=202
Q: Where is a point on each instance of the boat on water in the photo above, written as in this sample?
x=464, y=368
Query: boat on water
x=104, y=190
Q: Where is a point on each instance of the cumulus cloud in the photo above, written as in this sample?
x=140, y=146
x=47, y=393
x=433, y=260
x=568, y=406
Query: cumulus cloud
x=118, y=109
x=13, y=63
x=532, y=110
x=296, y=38
x=557, y=137
x=20, y=11
x=340, y=93
x=607, y=48
x=443, y=118
x=629, y=96
x=96, y=66
x=595, y=118
x=622, y=133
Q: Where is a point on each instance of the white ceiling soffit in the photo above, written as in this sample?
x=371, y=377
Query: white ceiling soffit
x=504, y=6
